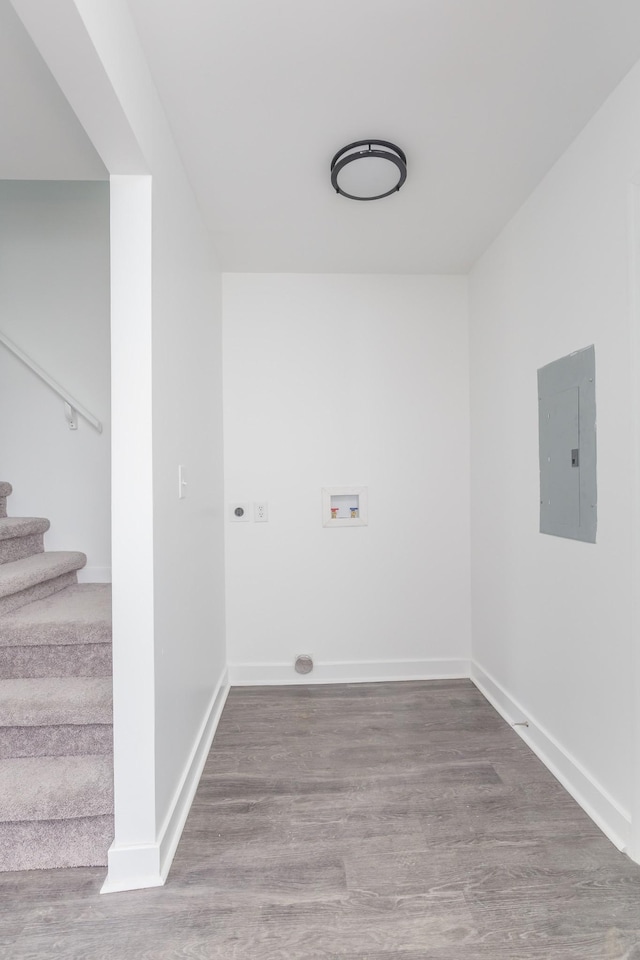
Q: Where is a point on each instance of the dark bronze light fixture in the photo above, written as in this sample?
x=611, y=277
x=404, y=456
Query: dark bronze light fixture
x=368, y=170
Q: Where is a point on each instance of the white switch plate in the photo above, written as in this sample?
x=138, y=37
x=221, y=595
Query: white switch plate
x=239, y=512
x=260, y=512
x=182, y=482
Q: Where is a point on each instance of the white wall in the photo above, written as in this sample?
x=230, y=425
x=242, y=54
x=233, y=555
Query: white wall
x=334, y=380
x=168, y=577
x=188, y=576
x=552, y=617
x=54, y=304
x=189, y=533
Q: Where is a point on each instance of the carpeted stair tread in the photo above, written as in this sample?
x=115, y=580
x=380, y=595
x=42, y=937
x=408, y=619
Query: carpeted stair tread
x=45, y=844
x=22, y=526
x=51, y=700
x=79, y=614
x=22, y=574
x=63, y=740
x=37, y=592
x=21, y=537
x=56, y=660
x=55, y=788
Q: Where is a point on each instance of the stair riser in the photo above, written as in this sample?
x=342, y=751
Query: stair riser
x=71, y=660
x=39, y=590
x=45, y=844
x=15, y=548
x=56, y=741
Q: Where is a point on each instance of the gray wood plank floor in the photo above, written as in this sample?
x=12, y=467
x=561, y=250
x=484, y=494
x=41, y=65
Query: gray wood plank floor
x=392, y=821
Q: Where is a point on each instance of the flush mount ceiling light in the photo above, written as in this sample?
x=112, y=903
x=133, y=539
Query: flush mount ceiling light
x=368, y=170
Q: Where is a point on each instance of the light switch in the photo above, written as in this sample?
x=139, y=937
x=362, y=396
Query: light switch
x=182, y=482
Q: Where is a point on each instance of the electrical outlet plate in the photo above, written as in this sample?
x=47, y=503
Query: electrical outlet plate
x=239, y=512
x=260, y=512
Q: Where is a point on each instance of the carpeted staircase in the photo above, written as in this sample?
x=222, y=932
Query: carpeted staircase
x=56, y=750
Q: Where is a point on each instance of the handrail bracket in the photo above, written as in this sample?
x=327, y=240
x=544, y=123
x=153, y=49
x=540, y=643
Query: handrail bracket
x=71, y=415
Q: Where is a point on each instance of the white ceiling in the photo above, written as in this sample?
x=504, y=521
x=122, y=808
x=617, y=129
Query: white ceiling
x=40, y=136
x=483, y=96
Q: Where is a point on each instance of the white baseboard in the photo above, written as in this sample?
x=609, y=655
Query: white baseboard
x=614, y=822
x=174, y=822
x=147, y=865
x=133, y=868
x=269, y=674
x=94, y=575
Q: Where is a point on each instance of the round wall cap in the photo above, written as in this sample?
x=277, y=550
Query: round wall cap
x=304, y=663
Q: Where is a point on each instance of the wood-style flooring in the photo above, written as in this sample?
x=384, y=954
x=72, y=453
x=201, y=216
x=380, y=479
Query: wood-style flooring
x=390, y=821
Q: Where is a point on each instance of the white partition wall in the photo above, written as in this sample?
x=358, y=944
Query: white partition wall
x=552, y=618
x=168, y=569
x=334, y=381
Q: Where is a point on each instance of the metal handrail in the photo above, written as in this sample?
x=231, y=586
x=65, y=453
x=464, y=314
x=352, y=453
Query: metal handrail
x=71, y=405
